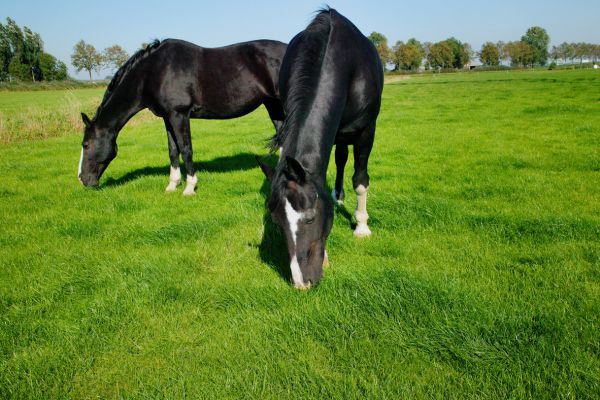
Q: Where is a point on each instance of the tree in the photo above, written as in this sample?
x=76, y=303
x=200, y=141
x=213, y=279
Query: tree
x=426, y=52
x=409, y=55
x=18, y=70
x=554, y=54
x=595, y=52
x=12, y=44
x=381, y=44
x=461, y=52
x=114, y=57
x=489, y=54
x=22, y=54
x=47, y=66
x=85, y=57
x=582, y=51
x=31, y=51
x=14, y=35
x=440, y=55
x=566, y=51
x=501, y=51
x=5, y=52
x=520, y=53
x=51, y=68
x=538, y=40
x=61, y=73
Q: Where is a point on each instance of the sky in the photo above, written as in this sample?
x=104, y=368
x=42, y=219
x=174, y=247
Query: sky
x=218, y=23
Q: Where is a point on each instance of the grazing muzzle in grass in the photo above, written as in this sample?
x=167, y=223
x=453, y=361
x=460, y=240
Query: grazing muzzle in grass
x=304, y=213
x=99, y=148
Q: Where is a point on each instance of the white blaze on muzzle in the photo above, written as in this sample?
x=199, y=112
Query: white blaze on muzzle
x=80, y=164
x=293, y=217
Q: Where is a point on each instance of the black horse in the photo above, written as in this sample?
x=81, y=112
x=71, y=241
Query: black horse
x=177, y=81
x=331, y=81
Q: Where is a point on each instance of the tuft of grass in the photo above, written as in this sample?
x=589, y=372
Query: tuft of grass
x=26, y=116
x=481, y=279
x=68, y=84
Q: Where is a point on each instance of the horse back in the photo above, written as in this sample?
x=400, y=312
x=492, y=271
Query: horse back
x=331, y=81
x=223, y=82
x=363, y=78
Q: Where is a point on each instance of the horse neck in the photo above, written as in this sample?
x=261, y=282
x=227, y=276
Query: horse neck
x=123, y=103
x=311, y=146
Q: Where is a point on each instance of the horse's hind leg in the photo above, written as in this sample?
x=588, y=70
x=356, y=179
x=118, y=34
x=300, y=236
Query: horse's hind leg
x=360, y=179
x=175, y=174
x=181, y=128
x=341, y=157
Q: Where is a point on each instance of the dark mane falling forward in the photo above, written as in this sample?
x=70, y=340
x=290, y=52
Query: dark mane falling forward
x=125, y=68
x=305, y=73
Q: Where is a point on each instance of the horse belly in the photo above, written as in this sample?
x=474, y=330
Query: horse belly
x=226, y=110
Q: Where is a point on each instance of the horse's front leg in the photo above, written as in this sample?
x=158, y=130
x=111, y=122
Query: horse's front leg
x=183, y=139
x=360, y=180
x=175, y=174
x=341, y=157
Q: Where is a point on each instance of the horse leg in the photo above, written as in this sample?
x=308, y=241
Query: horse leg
x=360, y=179
x=181, y=127
x=341, y=157
x=175, y=175
x=275, y=110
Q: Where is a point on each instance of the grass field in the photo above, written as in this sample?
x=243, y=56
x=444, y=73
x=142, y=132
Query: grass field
x=481, y=279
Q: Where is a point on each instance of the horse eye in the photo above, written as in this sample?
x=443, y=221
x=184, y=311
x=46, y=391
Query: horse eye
x=309, y=217
x=85, y=145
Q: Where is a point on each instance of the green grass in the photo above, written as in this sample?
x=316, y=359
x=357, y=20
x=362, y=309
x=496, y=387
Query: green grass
x=42, y=114
x=481, y=279
x=50, y=85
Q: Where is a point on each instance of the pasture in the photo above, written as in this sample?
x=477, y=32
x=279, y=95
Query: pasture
x=481, y=279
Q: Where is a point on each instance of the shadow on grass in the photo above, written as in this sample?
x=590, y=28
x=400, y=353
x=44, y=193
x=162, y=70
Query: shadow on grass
x=272, y=248
x=238, y=162
x=342, y=211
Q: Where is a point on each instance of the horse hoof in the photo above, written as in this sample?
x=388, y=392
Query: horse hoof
x=171, y=187
x=302, y=286
x=190, y=185
x=338, y=200
x=362, y=231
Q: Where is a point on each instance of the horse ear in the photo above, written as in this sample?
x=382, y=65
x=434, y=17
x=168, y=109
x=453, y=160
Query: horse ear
x=86, y=120
x=267, y=170
x=295, y=170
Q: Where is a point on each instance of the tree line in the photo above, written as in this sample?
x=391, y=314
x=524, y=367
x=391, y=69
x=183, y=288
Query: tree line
x=85, y=57
x=575, y=51
x=451, y=53
x=22, y=56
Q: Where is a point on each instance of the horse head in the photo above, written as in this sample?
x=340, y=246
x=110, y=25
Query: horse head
x=99, y=148
x=302, y=209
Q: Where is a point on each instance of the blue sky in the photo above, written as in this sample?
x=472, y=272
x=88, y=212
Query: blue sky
x=216, y=23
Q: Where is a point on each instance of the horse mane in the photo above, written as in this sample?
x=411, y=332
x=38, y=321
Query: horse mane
x=305, y=73
x=124, y=70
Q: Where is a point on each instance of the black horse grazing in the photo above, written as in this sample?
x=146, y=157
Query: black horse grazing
x=177, y=81
x=331, y=81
